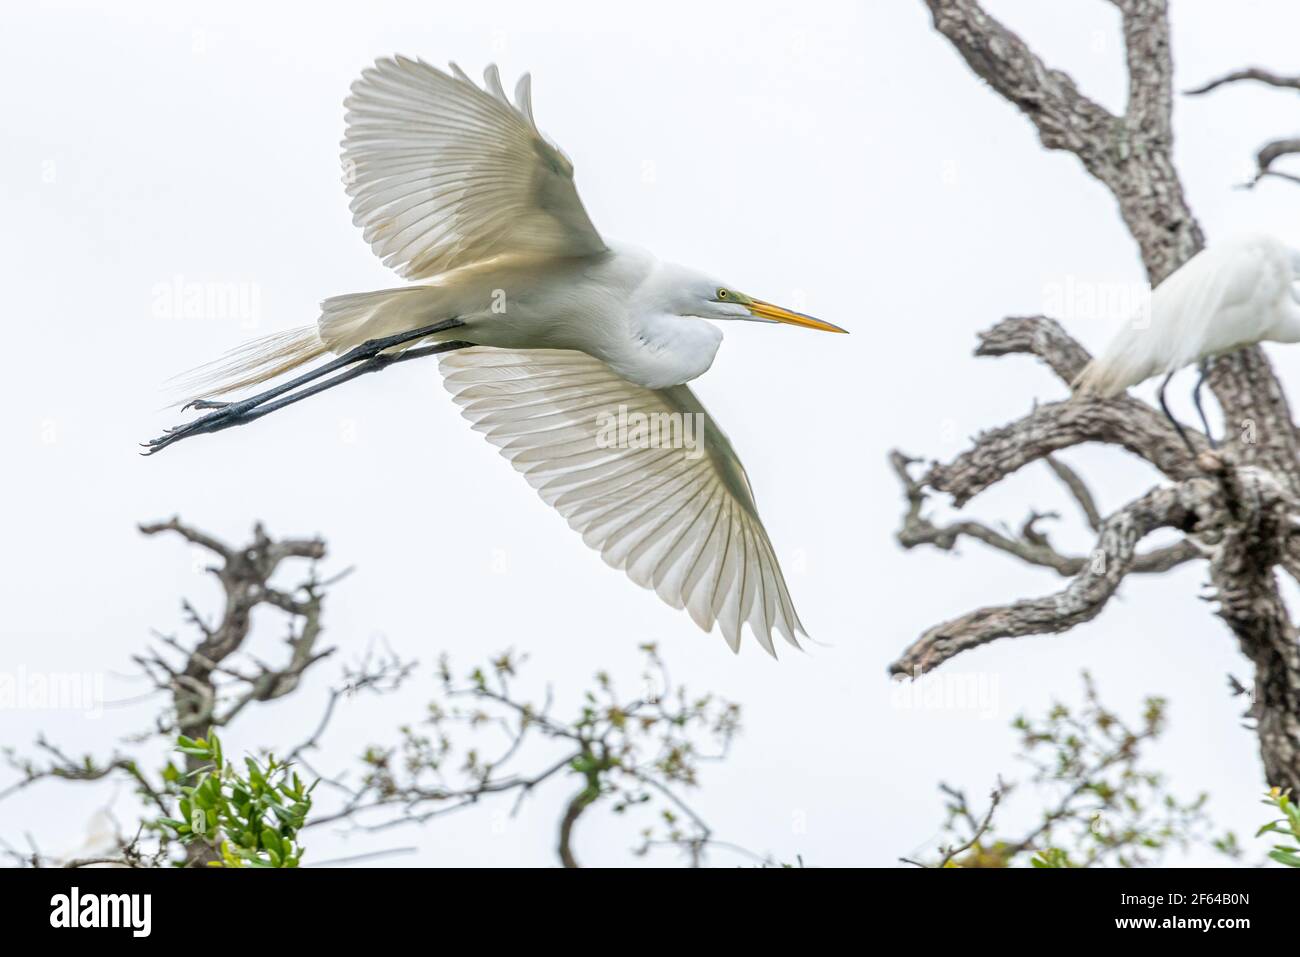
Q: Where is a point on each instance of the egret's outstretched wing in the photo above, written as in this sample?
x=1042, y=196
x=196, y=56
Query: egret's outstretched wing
x=675, y=512
x=443, y=174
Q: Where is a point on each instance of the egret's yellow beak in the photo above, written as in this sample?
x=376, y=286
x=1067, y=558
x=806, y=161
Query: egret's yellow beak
x=766, y=310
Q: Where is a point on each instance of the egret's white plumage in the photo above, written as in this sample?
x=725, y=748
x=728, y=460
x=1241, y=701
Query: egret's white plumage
x=1229, y=295
x=443, y=174
x=455, y=185
x=684, y=525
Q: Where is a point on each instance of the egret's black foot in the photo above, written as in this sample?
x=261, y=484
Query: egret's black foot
x=1210, y=462
x=226, y=414
x=204, y=404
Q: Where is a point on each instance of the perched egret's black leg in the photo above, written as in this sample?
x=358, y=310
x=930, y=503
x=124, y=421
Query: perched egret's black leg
x=1170, y=416
x=1196, y=398
x=367, y=357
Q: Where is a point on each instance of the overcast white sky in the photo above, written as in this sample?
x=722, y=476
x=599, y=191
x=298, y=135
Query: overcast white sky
x=836, y=156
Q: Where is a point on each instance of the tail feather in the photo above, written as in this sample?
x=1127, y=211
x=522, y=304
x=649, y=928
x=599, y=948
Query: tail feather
x=346, y=321
x=252, y=363
x=1122, y=365
x=1100, y=379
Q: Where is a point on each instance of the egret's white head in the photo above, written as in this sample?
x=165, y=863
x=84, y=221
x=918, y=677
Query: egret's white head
x=685, y=292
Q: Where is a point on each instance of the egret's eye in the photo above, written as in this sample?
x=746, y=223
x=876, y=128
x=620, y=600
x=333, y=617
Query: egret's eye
x=723, y=294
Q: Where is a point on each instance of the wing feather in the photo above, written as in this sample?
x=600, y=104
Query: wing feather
x=443, y=173
x=677, y=521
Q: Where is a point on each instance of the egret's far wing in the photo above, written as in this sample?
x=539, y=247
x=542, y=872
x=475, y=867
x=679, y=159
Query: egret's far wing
x=1222, y=297
x=443, y=174
x=644, y=475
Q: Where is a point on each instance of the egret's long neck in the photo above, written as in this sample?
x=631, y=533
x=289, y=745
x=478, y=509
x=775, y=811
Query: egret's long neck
x=663, y=349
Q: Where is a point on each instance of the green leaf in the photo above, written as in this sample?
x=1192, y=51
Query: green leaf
x=271, y=841
x=1285, y=857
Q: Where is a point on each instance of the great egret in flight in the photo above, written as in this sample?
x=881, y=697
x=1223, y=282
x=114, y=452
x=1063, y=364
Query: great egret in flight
x=1229, y=295
x=548, y=336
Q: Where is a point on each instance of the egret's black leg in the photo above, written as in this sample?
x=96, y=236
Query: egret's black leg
x=367, y=357
x=1196, y=398
x=362, y=352
x=373, y=364
x=1170, y=416
x=370, y=365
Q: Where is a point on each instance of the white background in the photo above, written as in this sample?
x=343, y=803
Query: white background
x=838, y=157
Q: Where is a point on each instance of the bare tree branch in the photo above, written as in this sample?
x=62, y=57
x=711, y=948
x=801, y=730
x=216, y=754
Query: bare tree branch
x=1031, y=547
x=1079, y=490
x=1271, y=152
x=245, y=577
x=1185, y=506
x=978, y=828
x=1254, y=74
x=1129, y=154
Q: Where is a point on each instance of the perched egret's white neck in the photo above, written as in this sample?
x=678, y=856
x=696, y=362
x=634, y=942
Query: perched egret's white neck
x=1291, y=309
x=1288, y=326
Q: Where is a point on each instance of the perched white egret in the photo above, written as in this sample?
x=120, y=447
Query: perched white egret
x=1229, y=295
x=570, y=353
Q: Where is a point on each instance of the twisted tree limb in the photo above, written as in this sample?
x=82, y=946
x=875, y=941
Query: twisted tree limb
x=1050, y=428
x=1031, y=546
x=1262, y=534
x=201, y=685
x=1270, y=152
x=1237, y=509
x=245, y=575
x=1255, y=74
x=1186, y=506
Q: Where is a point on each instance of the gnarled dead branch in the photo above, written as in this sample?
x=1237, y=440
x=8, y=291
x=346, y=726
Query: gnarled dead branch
x=1270, y=152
